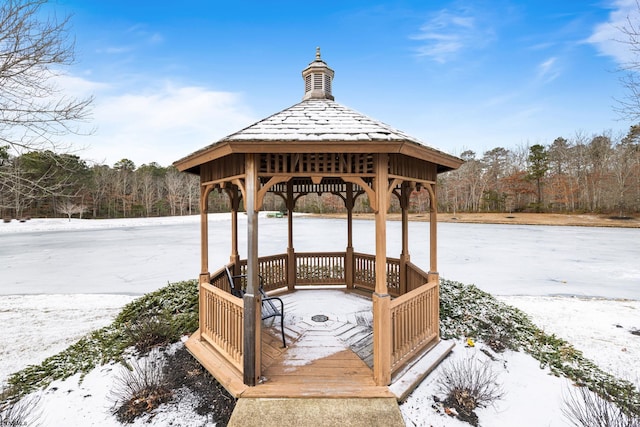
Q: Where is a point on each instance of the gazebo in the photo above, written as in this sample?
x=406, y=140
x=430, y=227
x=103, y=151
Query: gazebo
x=316, y=146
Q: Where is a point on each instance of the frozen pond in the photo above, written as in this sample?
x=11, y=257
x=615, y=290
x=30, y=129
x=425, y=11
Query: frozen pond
x=138, y=256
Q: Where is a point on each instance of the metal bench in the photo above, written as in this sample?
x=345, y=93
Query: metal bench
x=269, y=308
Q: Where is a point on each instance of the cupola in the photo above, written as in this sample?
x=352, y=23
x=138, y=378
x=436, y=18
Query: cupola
x=317, y=79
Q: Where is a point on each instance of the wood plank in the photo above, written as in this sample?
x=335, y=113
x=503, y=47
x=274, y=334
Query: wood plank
x=228, y=376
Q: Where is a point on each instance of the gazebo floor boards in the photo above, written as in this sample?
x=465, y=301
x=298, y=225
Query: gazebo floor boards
x=330, y=358
x=340, y=374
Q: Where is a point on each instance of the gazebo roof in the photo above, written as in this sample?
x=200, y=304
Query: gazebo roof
x=319, y=123
x=317, y=120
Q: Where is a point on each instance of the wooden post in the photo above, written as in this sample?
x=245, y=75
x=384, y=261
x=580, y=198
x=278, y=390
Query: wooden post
x=405, y=194
x=349, y=257
x=234, y=258
x=433, y=234
x=381, y=298
x=205, y=276
x=291, y=253
x=252, y=303
x=204, y=235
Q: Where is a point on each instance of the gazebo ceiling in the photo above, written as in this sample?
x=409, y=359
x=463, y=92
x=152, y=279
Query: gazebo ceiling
x=319, y=125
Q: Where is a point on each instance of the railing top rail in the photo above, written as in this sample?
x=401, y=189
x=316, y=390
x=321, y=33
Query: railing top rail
x=224, y=295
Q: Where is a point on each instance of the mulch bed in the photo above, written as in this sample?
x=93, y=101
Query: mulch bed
x=182, y=370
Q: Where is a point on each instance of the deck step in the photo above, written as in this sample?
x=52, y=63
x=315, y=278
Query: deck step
x=407, y=379
x=300, y=412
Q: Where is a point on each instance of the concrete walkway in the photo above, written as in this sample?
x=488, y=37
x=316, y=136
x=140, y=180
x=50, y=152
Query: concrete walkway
x=383, y=412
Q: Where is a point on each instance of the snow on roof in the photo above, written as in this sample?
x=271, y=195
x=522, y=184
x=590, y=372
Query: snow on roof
x=316, y=120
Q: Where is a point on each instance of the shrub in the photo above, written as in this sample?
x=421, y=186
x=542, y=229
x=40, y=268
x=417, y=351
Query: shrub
x=467, y=385
x=14, y=412
x=582, y=408
x=151, y=331
x=140, y=389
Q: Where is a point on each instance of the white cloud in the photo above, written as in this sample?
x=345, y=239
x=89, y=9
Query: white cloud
x=447, y=33
x=547, y=70
x=608, y=37
x=160, y=124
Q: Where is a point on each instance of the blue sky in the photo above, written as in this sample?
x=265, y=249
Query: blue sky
x=171, y=77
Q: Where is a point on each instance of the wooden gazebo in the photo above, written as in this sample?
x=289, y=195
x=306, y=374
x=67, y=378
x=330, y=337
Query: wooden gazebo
x=318, y=146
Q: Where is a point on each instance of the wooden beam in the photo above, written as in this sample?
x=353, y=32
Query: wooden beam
x=404, y=198
x=234, y=197
x=381, y=297
x=381, y=339
x=252, y=306
x=240, y=183
x=349, y=260
x=204, y=231
x=291, y=253
x=263, y=191
x=373, y=199
x=223, y=180
x=392, y=186
x=433, y=230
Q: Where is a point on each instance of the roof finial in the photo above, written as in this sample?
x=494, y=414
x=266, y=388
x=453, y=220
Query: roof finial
x=317, y=79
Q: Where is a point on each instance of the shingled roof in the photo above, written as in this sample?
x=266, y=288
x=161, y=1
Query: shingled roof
x=319, y=121
x=316, y=120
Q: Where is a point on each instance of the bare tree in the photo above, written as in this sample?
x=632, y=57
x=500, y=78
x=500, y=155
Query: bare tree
x=69, y=208
x=629, y=106
x=124, y=188
x=33, y=109
x=34, y=112
x=175, y=194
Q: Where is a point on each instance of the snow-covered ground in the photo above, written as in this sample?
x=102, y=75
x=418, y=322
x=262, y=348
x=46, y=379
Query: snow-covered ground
x=61, y=279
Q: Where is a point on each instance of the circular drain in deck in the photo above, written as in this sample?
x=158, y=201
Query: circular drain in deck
x=319, y=318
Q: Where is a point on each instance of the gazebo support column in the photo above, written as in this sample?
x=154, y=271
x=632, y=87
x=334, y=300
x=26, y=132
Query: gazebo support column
x=348, y=264
x=291, y=253
x=252, y=305
x=234, y=258
x=433, y=234
x=381, y=297
x=405, y=193
x=204, y=235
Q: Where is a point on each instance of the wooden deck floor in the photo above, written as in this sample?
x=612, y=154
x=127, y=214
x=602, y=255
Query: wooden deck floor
x=329, y=357
x=320, y=360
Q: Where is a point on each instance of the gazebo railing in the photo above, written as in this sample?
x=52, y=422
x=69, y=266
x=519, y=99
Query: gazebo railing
x=272, y=269
x=414, y=317
x=364, y=273
x=416, y=277
x=325, y=268
x=328, y=268
x=221, y=320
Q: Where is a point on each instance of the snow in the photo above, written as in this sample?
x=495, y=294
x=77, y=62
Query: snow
x=61, y=279
x=89, y=401
x=601, y=329
x=37, y=326
x=533, y=397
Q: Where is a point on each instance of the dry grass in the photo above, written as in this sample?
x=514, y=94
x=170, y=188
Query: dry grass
x=581, y=220
x=583, y=408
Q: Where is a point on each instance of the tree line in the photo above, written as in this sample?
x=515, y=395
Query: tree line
x=46, y=184
x=596, y=174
